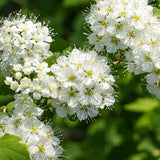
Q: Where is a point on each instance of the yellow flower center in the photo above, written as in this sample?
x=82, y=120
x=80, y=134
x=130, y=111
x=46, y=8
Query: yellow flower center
x=84, y=107
x=104, y=23
x=28, y=114
x=89, y=92
x=110, y=10
x=17, y=122
x=41, y=149
x=33, y=129
x=30, y=52
x=51, y=87
x=89, y=73
x=42, y=53
x=79, y=65
x=148, y=58
x=25, y=29
x=123, y=14
x=99, y=38
x=119, y=26
x=157, y=71
x=71, y=78
x=22, y=41
x=8, y=29
x=141, y=43
x=131, y=34
x=2, y=126
x=35, y=37
x=93, y=62
x=48, y=136
x=71, y=93
x=8, y=40
x=102, y=78
x=153, y=43
x=115, y=40
x=136, y=18
x=125, y=4
x=12, y=52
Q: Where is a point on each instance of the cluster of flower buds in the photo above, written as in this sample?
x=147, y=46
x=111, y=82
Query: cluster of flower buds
x=128, y=26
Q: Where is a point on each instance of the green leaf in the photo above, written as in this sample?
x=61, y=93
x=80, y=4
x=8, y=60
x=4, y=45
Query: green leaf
x=3, y=3
x=53, y=59
x=8, y=108
x=5, y=99
x=138, y=156
x=147, y=145
x=73, y=3
x=145, y=122
x=156, y=12
x=142, y=105
x=11, y=149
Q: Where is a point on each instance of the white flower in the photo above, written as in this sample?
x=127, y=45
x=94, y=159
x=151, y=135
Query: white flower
x=41, y=67
x=69, y=96
x=50, y=87
x=25, y=84
x=27, y=68
x=84, y=112
x=144, y=60
x=97, y=41
x=140, y=17
x=90, y=95
x=36, y=88
x=113, y=43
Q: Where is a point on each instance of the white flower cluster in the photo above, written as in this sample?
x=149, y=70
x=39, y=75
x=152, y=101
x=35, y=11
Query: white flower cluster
x=38, y=137
x=24, y=44
x=128, y=25
x=22, y=40
x=81, y=84
x=84, y=84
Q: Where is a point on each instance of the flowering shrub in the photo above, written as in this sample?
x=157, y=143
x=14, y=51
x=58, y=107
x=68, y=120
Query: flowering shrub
x=80, y=82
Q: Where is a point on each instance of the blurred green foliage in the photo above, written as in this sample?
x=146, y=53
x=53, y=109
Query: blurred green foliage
x=131, y=131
